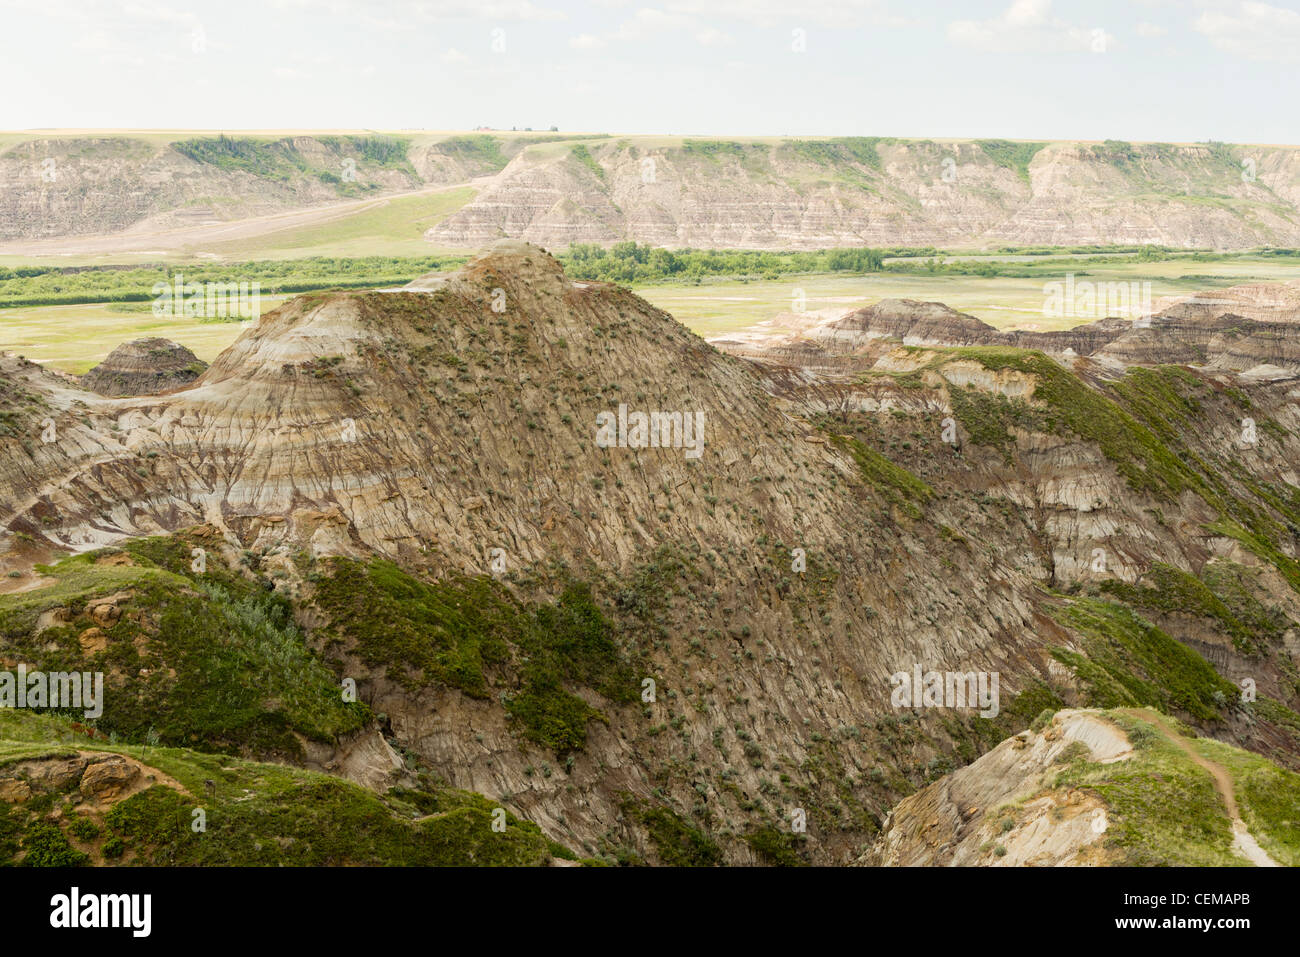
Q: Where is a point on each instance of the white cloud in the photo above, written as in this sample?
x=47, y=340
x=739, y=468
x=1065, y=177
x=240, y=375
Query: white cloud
x=770, y=13
x=1145, y=29
x=397, y=14
x=157, y=13
x=1027, y=26
x=485, y=10
x=96, y=41
x=454, y=56
x=649, y=21
x=381, y=15
x=1256, y=31
x=710, y=37
x=586, y=41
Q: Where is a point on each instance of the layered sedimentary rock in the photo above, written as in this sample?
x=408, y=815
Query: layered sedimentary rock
x=432, y=429
x=1261, y=301
x=860, y=338
x=958, y=821
x=833, y=530
x=76, y=186
x=762, y=194
x=144, y=367
x=793, y=194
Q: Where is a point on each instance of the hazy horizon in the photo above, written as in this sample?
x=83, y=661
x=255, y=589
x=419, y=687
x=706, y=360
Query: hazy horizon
x=926, y=69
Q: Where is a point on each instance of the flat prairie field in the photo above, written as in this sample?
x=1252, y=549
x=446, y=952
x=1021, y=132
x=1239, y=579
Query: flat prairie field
x=74, y=338
x=725, y=306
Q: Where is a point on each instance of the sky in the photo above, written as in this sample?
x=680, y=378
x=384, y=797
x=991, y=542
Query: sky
x=1163, y=70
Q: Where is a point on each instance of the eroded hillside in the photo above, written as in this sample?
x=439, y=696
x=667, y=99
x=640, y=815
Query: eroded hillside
x=854, y=191
x=1124, y=787
x=554, y=189
x=652, y=654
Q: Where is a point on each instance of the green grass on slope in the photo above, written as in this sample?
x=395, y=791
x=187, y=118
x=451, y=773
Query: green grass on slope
x=776, y=847
x=712, y=149
x=282, y=161
x=477, y=150
x=895, y=483
x=214, y=660
x=583, y=156
x=989, y=418
x=844, y=149
x=390, y=227
x=1136, y=451
x=1129, y=661
x=211, y=660
x=1167, y=590
x=1162, y=809
x=677, y=843
x=1140, y=424
x=1013, y=156
x=1172, y=590
x=18, y=407
x=386, y=151
x=1260, y=546
x=469, y=633
x=256, y=815
x=1268, y=798
x=446, y=632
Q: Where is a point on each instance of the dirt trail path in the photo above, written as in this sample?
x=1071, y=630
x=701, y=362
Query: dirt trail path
x=1242, y=840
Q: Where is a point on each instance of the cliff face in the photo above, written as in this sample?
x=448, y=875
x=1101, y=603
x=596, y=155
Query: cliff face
x=761, y=194
x=481, y=436
x=78, y=186
x=814, y=194
x=1262, y=301
x=957, y=821
x=1067, y=791
x=1055, y=436
x=431, y=429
